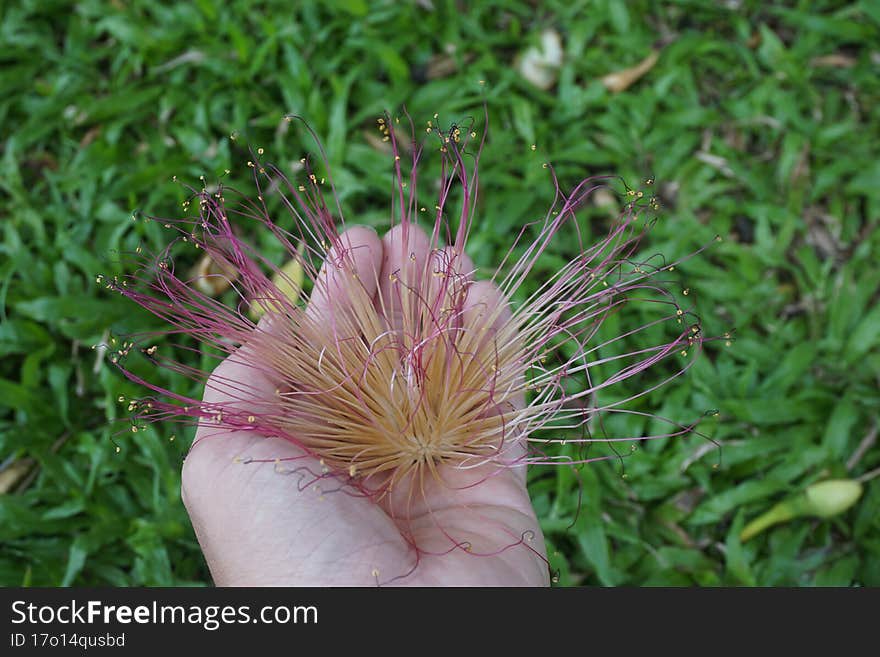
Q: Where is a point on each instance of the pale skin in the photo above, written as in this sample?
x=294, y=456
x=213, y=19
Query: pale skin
x=257, y=528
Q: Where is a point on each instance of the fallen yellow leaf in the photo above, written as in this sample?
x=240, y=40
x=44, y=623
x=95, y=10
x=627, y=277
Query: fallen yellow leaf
x=288, y=281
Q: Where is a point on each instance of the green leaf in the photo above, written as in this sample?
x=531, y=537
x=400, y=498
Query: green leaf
x=76, y=559
x=865, y=336
x=838, y=432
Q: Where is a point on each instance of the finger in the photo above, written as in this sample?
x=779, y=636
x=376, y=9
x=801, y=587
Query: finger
x=486, y=313
x=406, y=249
x=450, y=261
x=240, y=378
x=488, y=331
x=349, y=277
x=451, y=274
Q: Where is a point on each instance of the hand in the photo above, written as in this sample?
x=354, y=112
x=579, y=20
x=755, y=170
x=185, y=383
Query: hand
x=257, y=527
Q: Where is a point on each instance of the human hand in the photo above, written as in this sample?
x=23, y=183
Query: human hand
x=260, y=527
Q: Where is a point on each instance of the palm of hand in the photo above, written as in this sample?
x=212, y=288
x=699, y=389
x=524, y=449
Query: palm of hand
x=260, y=527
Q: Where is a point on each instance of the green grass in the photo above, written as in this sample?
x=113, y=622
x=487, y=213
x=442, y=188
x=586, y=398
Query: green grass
x=102, y=102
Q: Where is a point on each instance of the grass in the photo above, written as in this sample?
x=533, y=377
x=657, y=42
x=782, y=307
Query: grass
x=760, y=122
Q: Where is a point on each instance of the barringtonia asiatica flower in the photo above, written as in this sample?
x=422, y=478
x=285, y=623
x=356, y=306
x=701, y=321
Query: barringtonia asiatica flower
x=410, y=369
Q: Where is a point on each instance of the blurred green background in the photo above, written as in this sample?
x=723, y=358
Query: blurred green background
x=759, y=120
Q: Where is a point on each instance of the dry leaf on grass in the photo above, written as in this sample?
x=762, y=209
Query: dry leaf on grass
x=212, y=278
x=621, y=80
x=288, y=280
x=833, y=61
x=13, y=473
x=442, y=66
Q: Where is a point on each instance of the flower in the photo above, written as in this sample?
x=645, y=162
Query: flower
x=824, y=499
x=409, y=368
